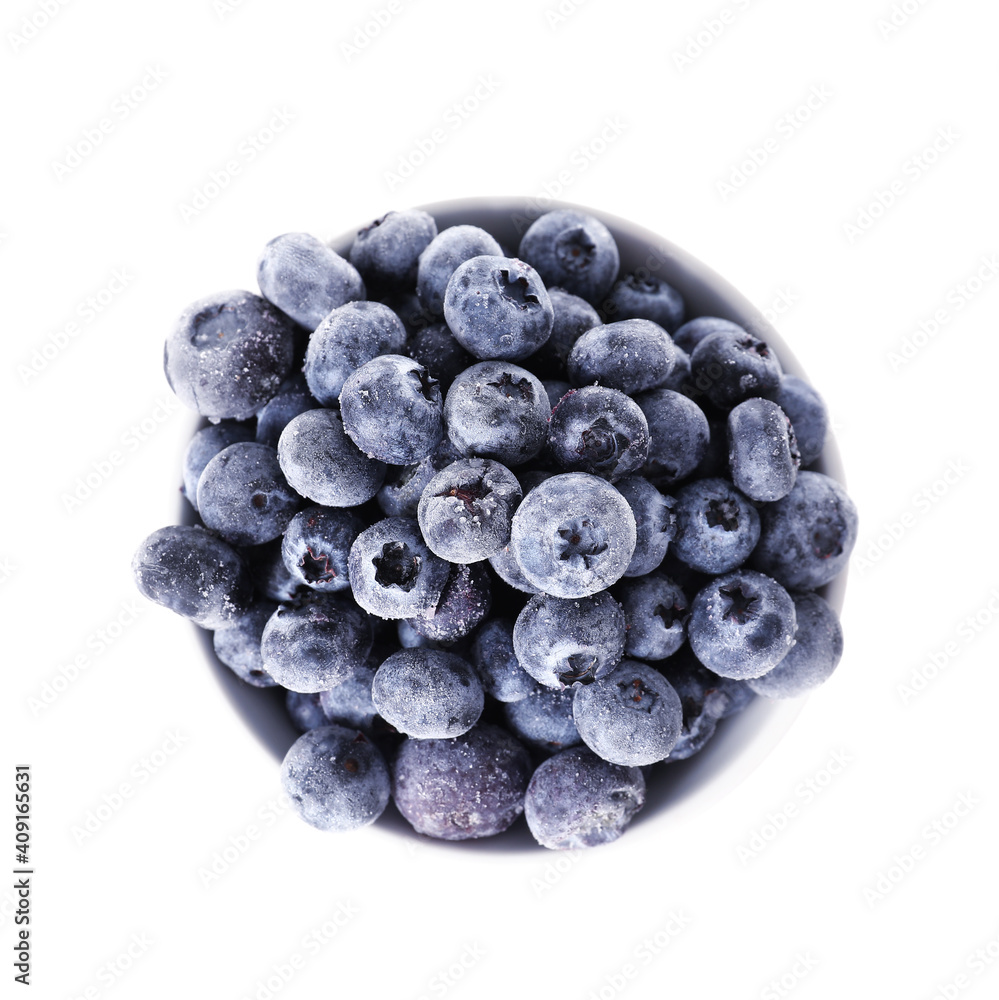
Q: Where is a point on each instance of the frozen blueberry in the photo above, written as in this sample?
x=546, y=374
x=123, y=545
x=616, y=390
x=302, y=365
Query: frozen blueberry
x=238, y=644
x=678, y=436
x=576, y=799
x=573, y=535
x=679, y=379
x=561, y=642
x=316, y=544
x=440, y=259
x=466, y=509
x=806, y=537
x=336, y=778
x=435, y=348
x=270, y=576
x=323, y=464
x=730, y=366
x=392, y=410
x=543, y=719
x=349, y=702
x=311, y=646
x=573, y=316
x=414, y=314
x=204, y=446
x=655, y=523
x=807, y=412
x=574, y=251
x=688, y=336
x=305, y=710
x=702, y=699
x=400, y=496
x=555, y=389
x=497, y=307
x=194, y=573
x=631, y=355
x=504, y=564
x=497, y=410
x=464, y=604
x=716, y=526
x=656, y=610
x=462, y=788
x=293, y=399
x=493, y=656
x=741, y=624
x=600, y=431
x=386, y=251
x=244, y=496
x=392, y=572
x=228, y=354
x=635, y=297
x=762, y=450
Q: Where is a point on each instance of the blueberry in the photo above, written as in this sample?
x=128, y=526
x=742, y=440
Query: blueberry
x=494, y=659
x=573, y=535
x=392, y=410
x=656, y=610
x=441, y=258
x=293, y=399
x=204, y=446
x=270, y=576
x=194, y=573
x=762, y=450
x=806, y=537
x=573, y=316
x=543, y=719
x=228, y=354
x=678, y=436
x=688, y=336
x=741, y=624
x=305, y=279
x=716, y=526
x=316, y=544
x=346, y=339
x=386, y=251
x=504, y=564
x=400, y=496
x=635, y=297
x=464, y=604
x=428, y=693
x=336, y=779
x=555, y=389
x=631, y=355
x=497, y=307
x=679, y=379
x=497, y=410
x=305, y=710
x=732, y=365
x=462, y=788
x=561, y=642
x=574, y=251
x=315, y=644
x=323, y=464
x=600, y=431
x=392, y=572
x=435, y=348
x=414, y=314
x=466, y=509
x=409, y=638
x=244, y=496
x=576, y=799
x=702, y=699
x=807, y=412
x=655, y=523
x=631, y=718
x=238, y=644
x=349, y=702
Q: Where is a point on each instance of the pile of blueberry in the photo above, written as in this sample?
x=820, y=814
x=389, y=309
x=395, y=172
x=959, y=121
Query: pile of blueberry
x=509, y=530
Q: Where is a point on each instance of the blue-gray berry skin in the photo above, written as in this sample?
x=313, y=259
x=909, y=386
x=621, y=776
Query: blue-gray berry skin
x=543, y=720
x=817, y=649
x=462, y=788
x=562, y=642
x=807, y=412
x=730, y=366
x=574, y=251
x=238, y=644
x=311, y=646
x=392, y=572
x=244, y=496
x=600, y=431
x=678, y=436
x=688, y=336
x=741, y=624
x=305, y=710
x=205, y=445
x=428, y=693
x=346, y=339
x=387, y=250
x=632, y=355
x=762, y=450
x=679, y=378
x=305, y=278
x=440, y=259
x=656, y=610
x=349, y=702
x=228, y=354
x=294, y=398
x=497, y=410
x=404, y=486
x=576, y=799
x=655, y=523
x=806, y=537
x=195, y=574
x=322, y=463
x=316, y=545
x=635, y=297
x=704, y=697
x=573, y=535
x=269, y=574
x=573, y=316
x=716, y=526
x=466, y=509
x=336, y=778
x=392, y=410
x=631, y=718
x=555, y=389
x=493, y=656
x=505, y=566
x=464, y=604
x=435, y=348
x=498, y=307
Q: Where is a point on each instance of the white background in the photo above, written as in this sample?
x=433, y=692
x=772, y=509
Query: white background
x=806, y=906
